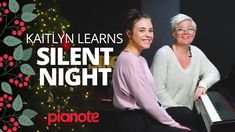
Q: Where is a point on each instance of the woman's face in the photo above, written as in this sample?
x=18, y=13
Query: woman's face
x=141, y=36
x=184, y=33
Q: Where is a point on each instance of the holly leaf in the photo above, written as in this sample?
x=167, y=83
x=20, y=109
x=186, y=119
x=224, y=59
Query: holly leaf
x=27, y=69
x=17, y=103
x=6, y=87
x=28, y=16
x=28, y=8
x=11, y=41
x=18, y=53
x=25, y=121
x=13, y=6
x=29, y=113
x=27, y=54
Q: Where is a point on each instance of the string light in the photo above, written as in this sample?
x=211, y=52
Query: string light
x=86, y=94
x=48, y=21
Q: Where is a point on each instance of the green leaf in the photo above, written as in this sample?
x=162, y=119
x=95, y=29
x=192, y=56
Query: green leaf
x=27, y=69
x=11, y=41
x=28, y=8
x=29, y=113
x=28, y=16
x=17, y=103
x=6, y=87
x=27, y=54
x=18, y=53
x=25, y=121
x=13, y=6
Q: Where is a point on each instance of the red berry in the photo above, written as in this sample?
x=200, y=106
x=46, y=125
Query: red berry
x=11, y=80
x=4, y=4
x=13, y=32
x=14, y=129
x=1, y=104
x=21, y=24
x=12, y=119
x=5, y=56
x=16, y=124
x=4, y=128
x=8, y=105
x=6, y=11
x=16, y=82
x=16, y=22
x=11, y=63
x=10, y=98
x=10, y=58
x=26, y=78
x=22, y=29
x=1, y=59
x=20, y=85
x=19, y=33
x=25, y=84
x=5, y=96
x=9, y=130
x=1, y=64
x=20, y=75
x=0, y=19
x=1, y=98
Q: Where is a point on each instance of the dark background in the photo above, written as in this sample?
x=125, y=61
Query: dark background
x=215, y=34
x=215, y=21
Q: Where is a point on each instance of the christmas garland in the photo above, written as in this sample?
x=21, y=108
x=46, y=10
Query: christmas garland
x=15, y=72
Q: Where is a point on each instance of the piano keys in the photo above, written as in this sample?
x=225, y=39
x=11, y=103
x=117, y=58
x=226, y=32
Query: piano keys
x=217, y=112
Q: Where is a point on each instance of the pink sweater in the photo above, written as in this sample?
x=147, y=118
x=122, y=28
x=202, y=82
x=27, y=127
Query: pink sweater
x=134, y=87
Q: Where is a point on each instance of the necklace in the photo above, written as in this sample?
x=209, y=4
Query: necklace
x=184, y=60
x=189, y=50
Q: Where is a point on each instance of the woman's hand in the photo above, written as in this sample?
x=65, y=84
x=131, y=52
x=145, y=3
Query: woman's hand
x=199, y=91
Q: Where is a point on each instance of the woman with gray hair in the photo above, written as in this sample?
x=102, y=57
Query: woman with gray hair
x=182, y=72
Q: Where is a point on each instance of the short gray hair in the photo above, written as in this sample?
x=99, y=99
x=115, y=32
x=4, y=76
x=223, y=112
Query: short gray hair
x=175, y=20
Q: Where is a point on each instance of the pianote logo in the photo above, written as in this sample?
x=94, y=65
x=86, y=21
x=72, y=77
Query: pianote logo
x=90, y=117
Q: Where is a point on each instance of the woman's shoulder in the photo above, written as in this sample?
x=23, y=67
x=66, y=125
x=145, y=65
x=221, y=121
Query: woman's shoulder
x=196, y=49
x=165, y=47
x=164, y=50
x=126, y=58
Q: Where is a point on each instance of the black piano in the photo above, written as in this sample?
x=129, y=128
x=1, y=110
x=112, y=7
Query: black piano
x=217, y=107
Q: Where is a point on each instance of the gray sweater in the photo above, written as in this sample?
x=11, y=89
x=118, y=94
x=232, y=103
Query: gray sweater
x=175, y=86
